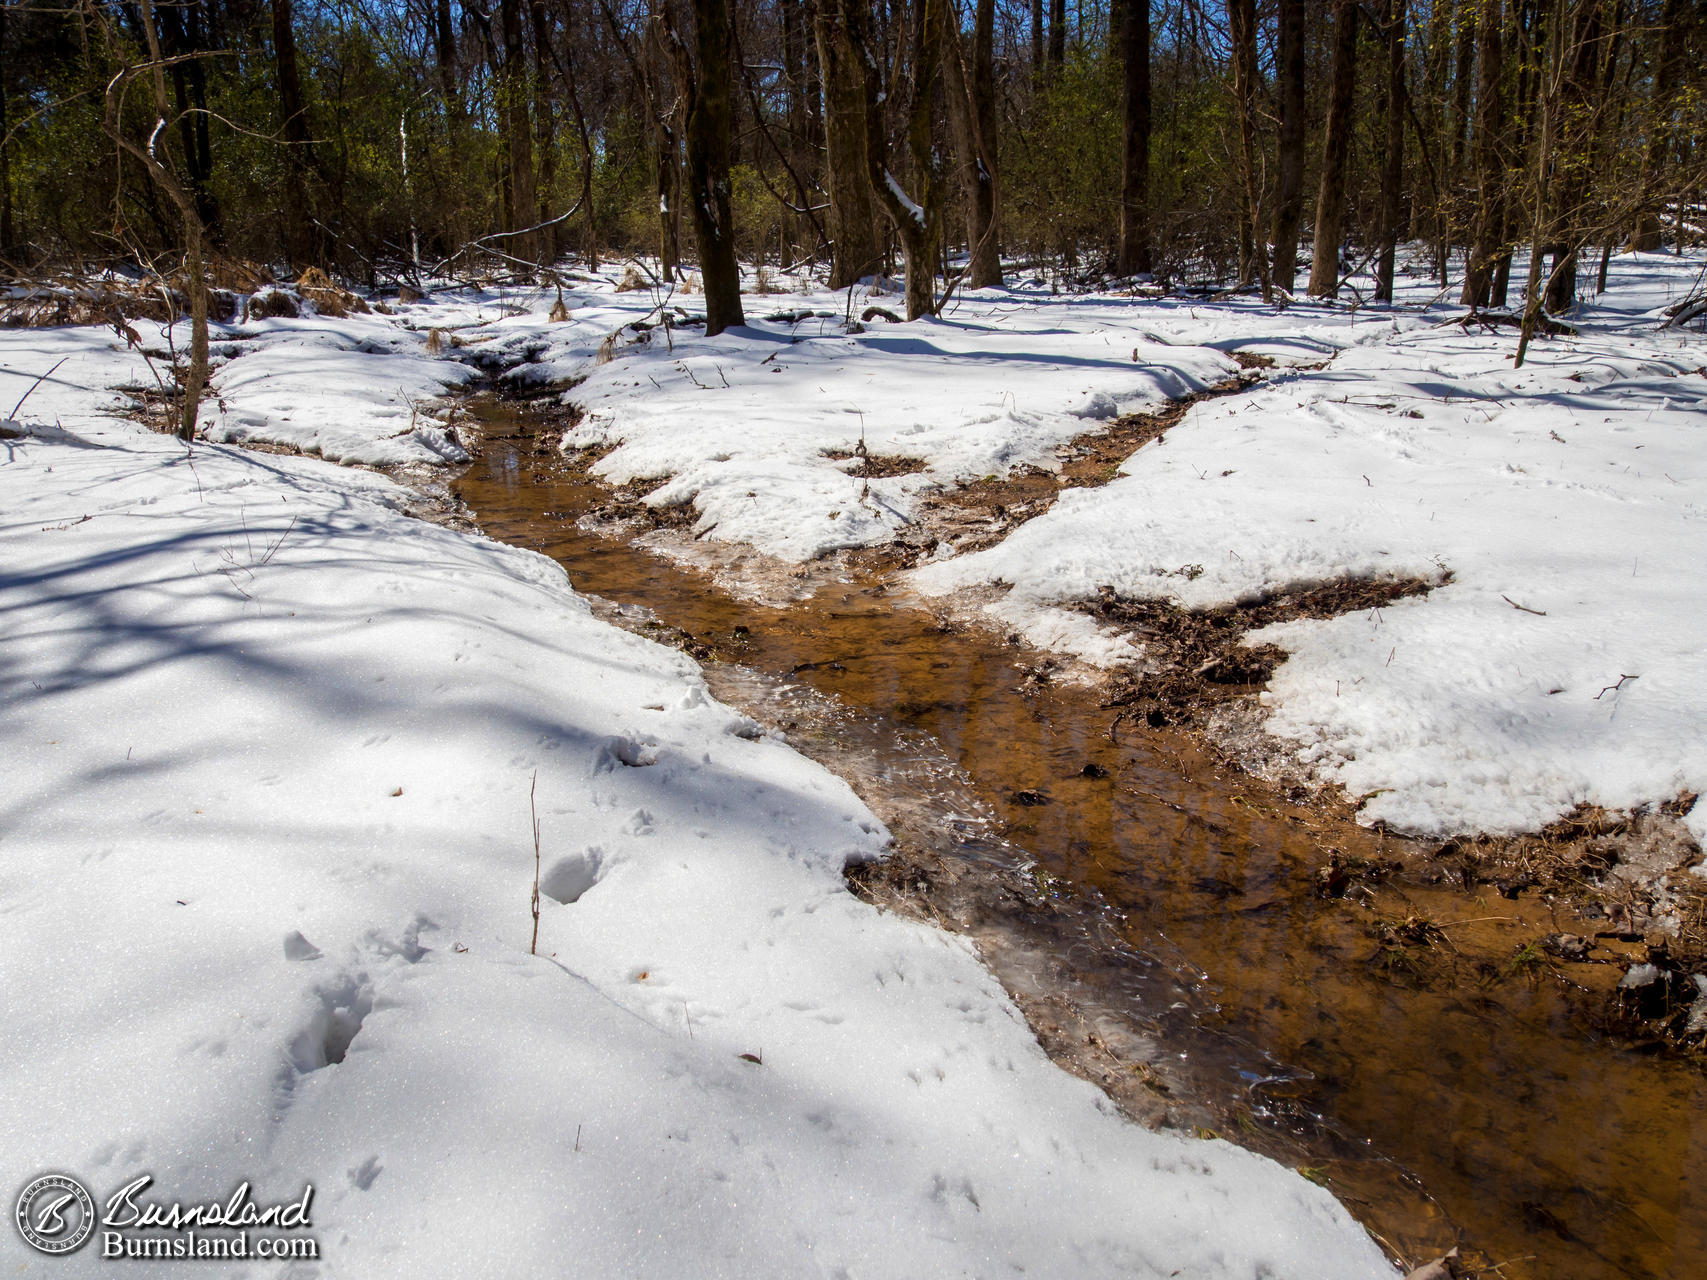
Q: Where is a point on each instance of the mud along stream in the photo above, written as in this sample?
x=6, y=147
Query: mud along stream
x=1159, y=920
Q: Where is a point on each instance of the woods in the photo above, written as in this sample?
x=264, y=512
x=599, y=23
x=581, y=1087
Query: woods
x=926, y=138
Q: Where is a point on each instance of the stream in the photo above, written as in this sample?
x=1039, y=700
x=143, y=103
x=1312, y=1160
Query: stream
x=1158, y=916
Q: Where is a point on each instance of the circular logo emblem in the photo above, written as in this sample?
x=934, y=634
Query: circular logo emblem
x=55, y=1214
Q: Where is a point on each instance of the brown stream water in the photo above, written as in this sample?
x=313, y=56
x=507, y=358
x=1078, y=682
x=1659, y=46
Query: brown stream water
x=1443, y=1097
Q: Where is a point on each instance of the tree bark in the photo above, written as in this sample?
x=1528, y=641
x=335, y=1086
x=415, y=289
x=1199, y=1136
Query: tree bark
x=1573, y=140
x=857, y=242
x=1242, y=19
x=987, y=250
x=299, y=247
x=545, y=130
x=444, y=45
x=518, y=137
x=1393, y=162
x=179, y=32
x=971, y=95
x=7, y=231
x=1289, y=155
x=1552, y=75
x=1490, y=172
x=1336, y=142
x=1135, y=138
x=1057, y=33
x=710, y=114
x=914, y=220
x=1646, y=238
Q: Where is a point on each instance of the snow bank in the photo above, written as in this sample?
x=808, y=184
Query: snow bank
x=350, y=390
x=1563, y=664
x=265, y=816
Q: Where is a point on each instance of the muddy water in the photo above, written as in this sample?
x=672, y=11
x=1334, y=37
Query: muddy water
x=1447, y=1091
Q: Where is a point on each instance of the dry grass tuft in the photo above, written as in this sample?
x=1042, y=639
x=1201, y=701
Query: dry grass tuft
x=329, y=298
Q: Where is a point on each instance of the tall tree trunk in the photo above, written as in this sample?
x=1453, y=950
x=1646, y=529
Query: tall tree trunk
x=518, y=137
x=1463, y=79
x=972, y=113
x=1242, y=18
x=571, y=81
x=1289, y=178
x=987, y=250
x=668, y=156
x=857, y=240
x=1490, y=171
x=444, y=43
x=1431, y=133
x=1660, y=129
x=1057, y=33
x=914, y=220
x=7, y=231
x=1573, y=138
x=1551, y=85
x=180, y=32
x=794, y=100
x=299, y=245
x=1393, y=162
x=1135, y=138
x=1036, y=37
x=1336, y=142
x=545, y=130
x=710, y=116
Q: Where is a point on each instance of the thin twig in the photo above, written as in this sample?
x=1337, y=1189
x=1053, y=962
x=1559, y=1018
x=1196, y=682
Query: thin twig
x=33, y=386
x=533, y=812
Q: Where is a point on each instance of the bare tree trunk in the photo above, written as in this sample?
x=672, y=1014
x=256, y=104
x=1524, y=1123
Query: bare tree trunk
x=1393, y=162
x=987, y=248
x=1242, y=18
x=710, y=114
x=7, y=231
x=972, y=114
x=1057, y=33
x=589, y=213
x=180, y=29
x=1036, y=37
x=1552, y=74
x=545, y=130
x=914, y=220
x=1660, y=129
x=794, y=98
x=857, y=246
x=668, y=156
x=518, y=138
x=1431, y=133
x=1463, y=77
x=1490, y=174
x=1135, y=138
x=298, y=239
x=1336, y=142
x=1289, y=153
x=1573, y=121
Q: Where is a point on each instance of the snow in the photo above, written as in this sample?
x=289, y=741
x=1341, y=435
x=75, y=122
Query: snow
x=314, y=384
x=269, y=747
x=1565, y=500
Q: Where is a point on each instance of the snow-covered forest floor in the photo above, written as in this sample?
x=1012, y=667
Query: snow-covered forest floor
x=271, y=742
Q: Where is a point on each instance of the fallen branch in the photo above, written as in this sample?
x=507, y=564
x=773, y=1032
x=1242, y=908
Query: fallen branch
x=1539, y=613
